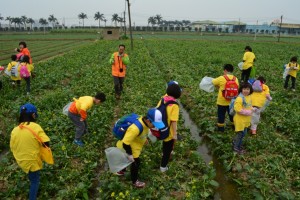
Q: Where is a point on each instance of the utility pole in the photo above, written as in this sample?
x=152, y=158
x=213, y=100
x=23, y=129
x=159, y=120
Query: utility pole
x=255, y=30
x=280, y=28
x=129, y=16
x=239, y=25
x=125, y=23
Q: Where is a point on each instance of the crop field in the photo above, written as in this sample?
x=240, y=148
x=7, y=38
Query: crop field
x=269, y=170
x=42, y=46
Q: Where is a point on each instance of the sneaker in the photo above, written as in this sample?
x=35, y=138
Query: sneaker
x=293, y=90
x=139, y=184
x=120, y=173
x=239, y=151
x=118, y=97
x=164, y=169
x=78, y=142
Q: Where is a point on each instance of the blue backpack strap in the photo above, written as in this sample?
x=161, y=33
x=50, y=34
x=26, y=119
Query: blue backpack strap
x=139, y=125
x=162, y=103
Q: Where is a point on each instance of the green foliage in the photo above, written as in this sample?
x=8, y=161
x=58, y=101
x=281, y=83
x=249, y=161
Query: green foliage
x=268, y=171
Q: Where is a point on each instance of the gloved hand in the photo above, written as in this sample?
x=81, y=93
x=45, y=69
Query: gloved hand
x=130, y=158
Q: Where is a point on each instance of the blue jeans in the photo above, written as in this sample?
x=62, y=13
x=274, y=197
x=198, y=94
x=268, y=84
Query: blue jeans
x=34, y=178
x=238, y=139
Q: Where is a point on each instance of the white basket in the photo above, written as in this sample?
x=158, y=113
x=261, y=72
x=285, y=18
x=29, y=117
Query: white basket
x=117, y=159
x=66, y=108
x=206, y=84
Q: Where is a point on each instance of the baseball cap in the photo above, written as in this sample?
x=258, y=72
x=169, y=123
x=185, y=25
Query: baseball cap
x=172, y=82
x=155, y=116
x=29, y=108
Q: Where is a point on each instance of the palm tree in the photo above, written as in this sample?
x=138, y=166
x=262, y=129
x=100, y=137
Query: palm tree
x=18, y=21
x=115, y=18
x=43, y=22
x=23, y=20
x=1, y=18
x=30, y=21
x=158, y=19
x=105, y=20
x=120, y=19
x=52, y=20
x=98, y=16
x=9, y=19
x=152, y=21
x=82, y=16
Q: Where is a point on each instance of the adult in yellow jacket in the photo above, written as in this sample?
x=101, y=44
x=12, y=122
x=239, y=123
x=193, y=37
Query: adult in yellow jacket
x=222, y=103
x=78, y=114
x=293, y=67
x=134, y=141
x=119, y=61
x=242, y=118
x=248, y=59
x=26, y=148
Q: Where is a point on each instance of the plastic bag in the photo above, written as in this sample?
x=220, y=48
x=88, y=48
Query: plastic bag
x=240, y=65
x=8, y=73
x=66, y=108
x=152, y=137
x=285, y=72
x=117, y=159
x=253, y=72
x=206, y=84
x=267, y=103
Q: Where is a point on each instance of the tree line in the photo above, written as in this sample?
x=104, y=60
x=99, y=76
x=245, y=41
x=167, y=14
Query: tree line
x=24, y=21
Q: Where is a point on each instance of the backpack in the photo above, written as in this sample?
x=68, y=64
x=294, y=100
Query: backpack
x=231, y=89
x=163, y=133
x=231, y=105
x=257, y=86
x=24, y=72
x=14, y=70
x=123, y=124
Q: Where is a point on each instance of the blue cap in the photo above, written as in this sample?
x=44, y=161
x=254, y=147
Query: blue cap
x=155, y=116
x=173, y=82
x=29, y=108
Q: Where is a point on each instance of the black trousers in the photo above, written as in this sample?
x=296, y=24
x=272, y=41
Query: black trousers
x=287, y=79
x=118, y=82
x=222, y=110
x=134, y=170
x=246, y=74
x=167, y=149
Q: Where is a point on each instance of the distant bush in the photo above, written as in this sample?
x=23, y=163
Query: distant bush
x=74, y=30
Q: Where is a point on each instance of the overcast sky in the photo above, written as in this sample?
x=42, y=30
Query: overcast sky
x=248, y=11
